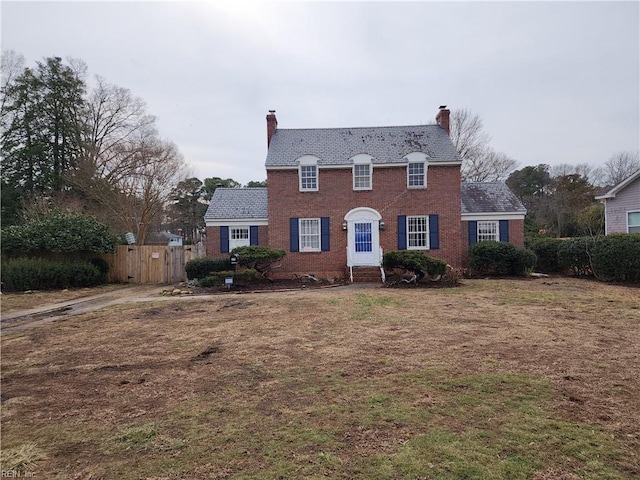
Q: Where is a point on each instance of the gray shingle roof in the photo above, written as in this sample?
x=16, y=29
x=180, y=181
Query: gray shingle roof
x=229, y=203
x=490, y=197
x=334, y=146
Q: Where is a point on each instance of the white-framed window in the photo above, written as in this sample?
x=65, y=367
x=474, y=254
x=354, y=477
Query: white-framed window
x=418, y=232
x=488, y=231
x=633, y=222
x=309, y=234
x=238, y=237
x=308, y=178
x=362, y=176
x=416, y=175
x=239, y=233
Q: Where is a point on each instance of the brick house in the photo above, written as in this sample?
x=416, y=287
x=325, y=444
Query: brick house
x=338, y=198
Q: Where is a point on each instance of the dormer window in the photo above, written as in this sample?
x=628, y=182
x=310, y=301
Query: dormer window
x=362, y=172
x=416, y=175
x=308, y=173
x=416, y=170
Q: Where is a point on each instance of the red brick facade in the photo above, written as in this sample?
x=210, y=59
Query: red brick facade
x=213, y=239
x=389, y=196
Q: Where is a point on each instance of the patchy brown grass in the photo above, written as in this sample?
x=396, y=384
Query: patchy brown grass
x=495, y=379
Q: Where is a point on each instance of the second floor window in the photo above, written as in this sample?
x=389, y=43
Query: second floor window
x=416, y=177
x=362, y=177
x=308, y=178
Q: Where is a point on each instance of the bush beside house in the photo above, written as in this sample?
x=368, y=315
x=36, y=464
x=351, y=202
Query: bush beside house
x=500, y=259
x=415, y=262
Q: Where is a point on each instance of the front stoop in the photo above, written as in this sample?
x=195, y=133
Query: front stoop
x=366, y=275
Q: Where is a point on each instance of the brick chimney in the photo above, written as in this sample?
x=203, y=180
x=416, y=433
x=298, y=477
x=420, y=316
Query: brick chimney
x=272, y=124
x=442, y=118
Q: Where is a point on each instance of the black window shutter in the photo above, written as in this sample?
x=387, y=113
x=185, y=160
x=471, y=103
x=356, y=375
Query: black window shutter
x=473, y=232
x=253, y=235
x=224, y=239
x=504, y=230
x=402, y=232
x=434, y=235
x=293, y=235
x=324, y=234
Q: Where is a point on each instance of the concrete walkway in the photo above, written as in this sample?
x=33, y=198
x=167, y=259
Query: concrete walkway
x=20, y=319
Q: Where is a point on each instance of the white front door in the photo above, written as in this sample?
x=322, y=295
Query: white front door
x=363, y=237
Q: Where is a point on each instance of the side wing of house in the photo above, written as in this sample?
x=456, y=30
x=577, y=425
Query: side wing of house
x=236, y=217
x=490, y=211
x=622, y=206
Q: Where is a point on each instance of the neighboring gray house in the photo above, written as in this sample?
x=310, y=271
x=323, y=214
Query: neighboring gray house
x=622, y=206
x=164, y=238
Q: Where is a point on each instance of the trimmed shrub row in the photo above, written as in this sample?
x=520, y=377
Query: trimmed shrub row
x=204, y=266
x=500, y=258
x=22, y=274
x=217, y=279
x=255, y=258
x=609, y=258
x=546, y=250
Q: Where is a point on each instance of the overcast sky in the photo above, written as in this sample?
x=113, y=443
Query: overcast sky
x=554, y=82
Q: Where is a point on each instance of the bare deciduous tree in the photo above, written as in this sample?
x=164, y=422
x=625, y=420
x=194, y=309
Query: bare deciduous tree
x=134, y=201
x=480, y=163
x=117, y=120
x=583, y=169
x=127, y=173
x=619, y=166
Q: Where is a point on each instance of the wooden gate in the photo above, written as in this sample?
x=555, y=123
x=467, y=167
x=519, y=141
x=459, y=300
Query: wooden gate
x=150, y=263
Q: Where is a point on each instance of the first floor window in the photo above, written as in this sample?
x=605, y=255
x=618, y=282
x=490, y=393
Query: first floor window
x=633, y=222
x=418, y=232
x=238, y=237
x=415, y=175
x=488, y=231
x=309, y=234
x=362, y=177
x=240, y=233
x=308, y=178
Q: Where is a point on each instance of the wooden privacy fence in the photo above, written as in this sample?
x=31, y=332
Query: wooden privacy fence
x=150, y=263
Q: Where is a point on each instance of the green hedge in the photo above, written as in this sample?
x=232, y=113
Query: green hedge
x=241, y=277
x=546, y=250
x=617, y=257
x=574, y=255
x=57, y=232
x=205, y=266
x=500, y=258
x=610, y=258
x=414, y=261
x=22, y=274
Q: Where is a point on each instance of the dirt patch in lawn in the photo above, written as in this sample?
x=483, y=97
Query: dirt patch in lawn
x=494, y=379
